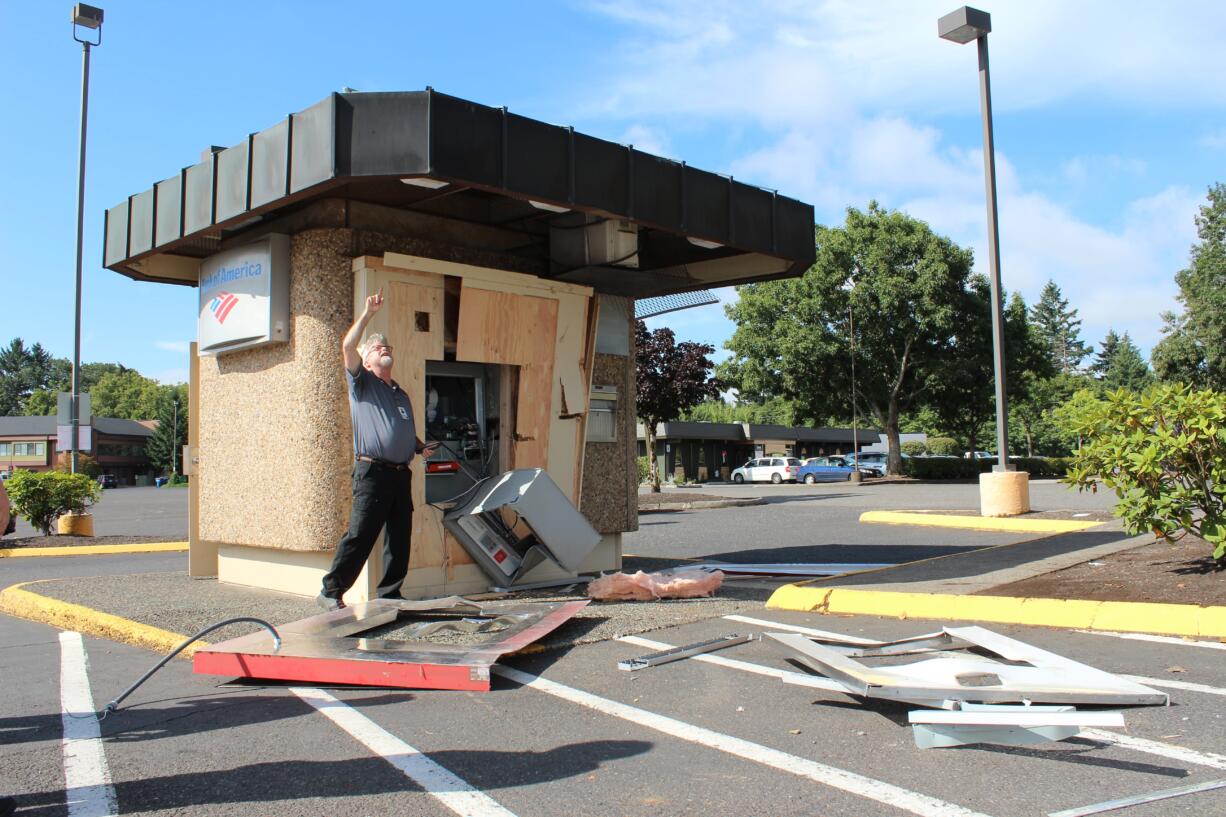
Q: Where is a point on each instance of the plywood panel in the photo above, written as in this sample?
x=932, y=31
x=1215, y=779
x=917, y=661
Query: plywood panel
x=519, y=330
x=501, y=327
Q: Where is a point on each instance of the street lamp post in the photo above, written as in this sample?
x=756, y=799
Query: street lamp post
x=174, y=442
x=962, y=26
x=90, y=18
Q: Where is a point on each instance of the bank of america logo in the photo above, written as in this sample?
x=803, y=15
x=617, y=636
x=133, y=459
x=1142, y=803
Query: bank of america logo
x=221, y=305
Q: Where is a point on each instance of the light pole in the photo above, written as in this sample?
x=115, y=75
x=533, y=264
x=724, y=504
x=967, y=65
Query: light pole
x=174, y=442
x=962, y=26
x=90, y=18
x=855, y=431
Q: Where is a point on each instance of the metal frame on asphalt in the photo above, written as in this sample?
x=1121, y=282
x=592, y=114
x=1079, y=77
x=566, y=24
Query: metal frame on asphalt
x=323, y=649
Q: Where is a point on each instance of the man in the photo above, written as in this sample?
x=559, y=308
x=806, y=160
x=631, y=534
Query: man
x=384, y=443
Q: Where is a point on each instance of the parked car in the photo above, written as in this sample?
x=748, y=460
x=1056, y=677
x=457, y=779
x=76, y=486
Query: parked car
x=871, y=463
x=824, y=469
x=979, y=455
x=107, y=481
x=762, y=469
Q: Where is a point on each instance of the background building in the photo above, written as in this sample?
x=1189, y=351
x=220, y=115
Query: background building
x=117, y=444
x=703, y=450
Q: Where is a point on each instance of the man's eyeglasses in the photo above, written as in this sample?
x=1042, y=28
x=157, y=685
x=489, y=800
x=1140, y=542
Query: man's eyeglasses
x=379, y=349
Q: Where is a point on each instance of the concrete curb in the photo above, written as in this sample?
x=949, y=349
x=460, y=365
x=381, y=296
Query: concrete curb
x=94, y=550
x=1073, y=614
x=703, y=504
x=22, y=603
x=1009, y=524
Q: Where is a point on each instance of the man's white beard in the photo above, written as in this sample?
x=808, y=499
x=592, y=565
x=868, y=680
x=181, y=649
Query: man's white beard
x=386, y=361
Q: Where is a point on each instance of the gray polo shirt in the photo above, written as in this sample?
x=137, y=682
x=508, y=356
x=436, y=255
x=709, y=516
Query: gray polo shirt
x=382, y=417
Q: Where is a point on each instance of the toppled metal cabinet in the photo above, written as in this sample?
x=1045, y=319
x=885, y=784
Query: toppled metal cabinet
x=518, y=522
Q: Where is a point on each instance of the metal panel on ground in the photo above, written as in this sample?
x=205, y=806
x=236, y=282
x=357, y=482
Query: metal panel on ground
x=323, y=649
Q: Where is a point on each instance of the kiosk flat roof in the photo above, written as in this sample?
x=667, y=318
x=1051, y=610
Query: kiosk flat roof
x=471, y=165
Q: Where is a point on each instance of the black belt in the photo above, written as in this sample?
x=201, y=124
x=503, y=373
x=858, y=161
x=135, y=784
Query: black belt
x=395, y=466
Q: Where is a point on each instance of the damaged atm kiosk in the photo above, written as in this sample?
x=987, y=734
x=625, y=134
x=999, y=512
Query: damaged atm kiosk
x=511, y=253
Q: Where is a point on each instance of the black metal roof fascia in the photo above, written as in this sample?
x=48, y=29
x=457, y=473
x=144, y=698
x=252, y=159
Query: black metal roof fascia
x=691, y=430
x=425, y=133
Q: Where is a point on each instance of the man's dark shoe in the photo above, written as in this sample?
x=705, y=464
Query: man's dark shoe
x=7, y=806
x=329, y=603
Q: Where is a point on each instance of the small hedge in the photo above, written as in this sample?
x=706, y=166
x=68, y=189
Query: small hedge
x=950, y=468
x=644, y=464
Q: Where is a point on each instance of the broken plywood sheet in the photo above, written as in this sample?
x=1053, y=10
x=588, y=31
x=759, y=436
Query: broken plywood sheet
x=518, y=330
x=1032, y=674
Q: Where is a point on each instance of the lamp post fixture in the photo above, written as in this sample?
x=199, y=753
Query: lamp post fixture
x=89, y=18
x=961, y=27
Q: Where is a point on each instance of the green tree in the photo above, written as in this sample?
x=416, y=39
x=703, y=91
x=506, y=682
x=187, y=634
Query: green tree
x=164, y=449
x=126, y=394
x=42, y=403
x=670, y=378
x=1057, y=326
x=904, y=286
x=1194, y=348
x=963, y=392
x=1119, y=364
x=1177, y=357
x=23, y=371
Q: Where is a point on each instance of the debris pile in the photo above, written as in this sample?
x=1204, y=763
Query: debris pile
x=992, y=688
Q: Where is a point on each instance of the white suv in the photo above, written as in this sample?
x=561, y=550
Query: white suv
x=775, y=469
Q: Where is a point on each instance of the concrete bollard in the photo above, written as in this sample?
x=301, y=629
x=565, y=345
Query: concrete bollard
x=1004, y=493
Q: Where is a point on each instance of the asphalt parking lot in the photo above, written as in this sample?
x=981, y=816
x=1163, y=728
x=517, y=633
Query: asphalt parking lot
x=568, y=733
x=565, y=732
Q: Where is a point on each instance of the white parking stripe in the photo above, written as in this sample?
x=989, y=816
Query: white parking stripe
x=841, y=779
x=87, y=780
x=1153, y=747
x=1164, y=682
x=1159, y=639
x=447, y=788
x=792, y=628
x=743, y=666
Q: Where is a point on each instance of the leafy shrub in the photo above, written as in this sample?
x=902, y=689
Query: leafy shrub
x=85, y=464
x=43, y=497
x=913, y=448
x=944, y=447
x=943, y=468
x=644, y=469
x=1163, y=452
x=947, y=468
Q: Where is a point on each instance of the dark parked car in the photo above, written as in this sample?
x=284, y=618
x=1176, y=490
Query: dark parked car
x=823, y=469
x=108, y=481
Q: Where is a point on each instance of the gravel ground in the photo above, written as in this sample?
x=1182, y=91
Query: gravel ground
x=175, y=602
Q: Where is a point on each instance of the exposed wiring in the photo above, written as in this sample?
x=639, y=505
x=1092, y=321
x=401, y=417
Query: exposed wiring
x=114, y=705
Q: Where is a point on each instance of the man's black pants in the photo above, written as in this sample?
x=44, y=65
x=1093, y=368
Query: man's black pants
x=381, y=499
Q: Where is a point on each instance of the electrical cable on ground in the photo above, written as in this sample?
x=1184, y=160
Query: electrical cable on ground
x=114, y=705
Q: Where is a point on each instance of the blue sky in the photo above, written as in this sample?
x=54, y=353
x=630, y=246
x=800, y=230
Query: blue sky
x=1106, y=141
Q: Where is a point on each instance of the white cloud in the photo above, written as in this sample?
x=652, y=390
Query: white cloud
x=852, y=102
x=173, y=345
x=647, y=139
x=790, y=62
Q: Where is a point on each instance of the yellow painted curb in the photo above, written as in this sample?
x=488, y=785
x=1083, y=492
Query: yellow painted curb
x=1079, y=614
x=1010, y=524
x=22, y=603
x=94, y=550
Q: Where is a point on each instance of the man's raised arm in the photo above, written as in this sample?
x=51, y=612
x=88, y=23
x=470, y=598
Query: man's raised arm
x=349, y=344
